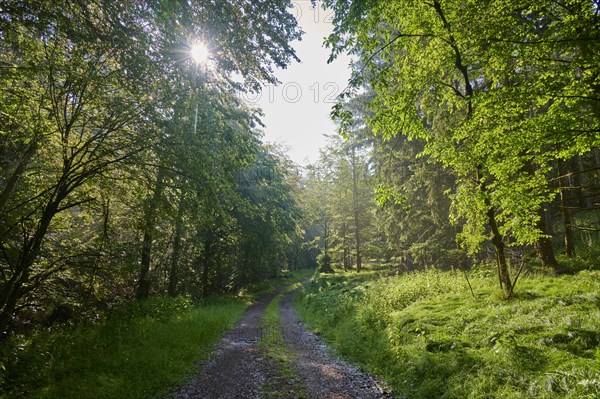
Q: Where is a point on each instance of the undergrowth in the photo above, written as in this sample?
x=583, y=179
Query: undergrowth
x=430, y=338
x=133, y=356
x=143, y=350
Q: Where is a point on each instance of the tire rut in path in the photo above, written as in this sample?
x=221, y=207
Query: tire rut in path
x=323, y=376
x=237, y=368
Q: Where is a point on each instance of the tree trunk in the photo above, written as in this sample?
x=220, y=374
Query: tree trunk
x=501, y=264
x=103, y=240
x=578, y=180
x=503, y=272
x=588, y=201
x=325, y=237
x=143, y=288
x=564, y=184
x=11, y=182
x=346, y=255
x=174, y=272
x=346, y=259
x=356, y=216
x=544, y=247
x=13, y=289
x=8, y=309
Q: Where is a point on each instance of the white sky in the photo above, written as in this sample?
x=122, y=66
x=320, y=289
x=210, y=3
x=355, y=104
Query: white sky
x=297, y=110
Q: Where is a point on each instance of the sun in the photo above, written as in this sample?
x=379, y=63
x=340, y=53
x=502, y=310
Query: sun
x=199, y=53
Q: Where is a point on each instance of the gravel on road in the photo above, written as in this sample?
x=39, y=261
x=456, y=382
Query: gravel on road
x=239, y=369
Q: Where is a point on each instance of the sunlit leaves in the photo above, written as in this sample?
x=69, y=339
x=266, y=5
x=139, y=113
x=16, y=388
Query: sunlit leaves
x=99, y=100
x=387, y=194
x=498, y=91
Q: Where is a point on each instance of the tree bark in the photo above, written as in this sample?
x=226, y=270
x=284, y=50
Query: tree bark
x=497, y=239
x=174, y=272
x=564, y=184
x=588, y=201
x=13, y=289
x=503, y=272
x=346, y=255
x=356, y=216
x=544, y=247
x=143, y=288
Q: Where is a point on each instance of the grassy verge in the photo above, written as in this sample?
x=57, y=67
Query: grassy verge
x=141, y=356
x=429, y=338
x=142, y=351
x=273, y=344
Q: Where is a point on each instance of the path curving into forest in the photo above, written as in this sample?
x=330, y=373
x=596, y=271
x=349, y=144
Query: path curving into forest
x=239, y=369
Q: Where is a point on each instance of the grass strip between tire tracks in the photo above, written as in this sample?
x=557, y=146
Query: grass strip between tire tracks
x=272, y=343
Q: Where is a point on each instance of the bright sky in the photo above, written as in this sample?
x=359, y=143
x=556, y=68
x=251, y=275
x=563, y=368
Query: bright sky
x=297, y=110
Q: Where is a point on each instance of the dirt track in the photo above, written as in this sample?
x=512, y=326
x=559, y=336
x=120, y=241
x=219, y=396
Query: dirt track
x=239, y=369
x=321, y=374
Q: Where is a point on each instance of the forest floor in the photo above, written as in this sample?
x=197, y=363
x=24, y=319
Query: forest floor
x=433, y=334
x=243, y=364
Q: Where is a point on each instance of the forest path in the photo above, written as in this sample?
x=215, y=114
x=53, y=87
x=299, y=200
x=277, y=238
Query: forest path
x=322, y=375
x=240, y=369
x=237, y=368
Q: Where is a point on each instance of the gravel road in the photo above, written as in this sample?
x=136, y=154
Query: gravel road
x=239, y=369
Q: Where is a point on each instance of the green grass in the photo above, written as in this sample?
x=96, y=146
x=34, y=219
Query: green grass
x=266, y=286
x=143, y=350
x=273, y=345
x=139, y=357
x=429, y=338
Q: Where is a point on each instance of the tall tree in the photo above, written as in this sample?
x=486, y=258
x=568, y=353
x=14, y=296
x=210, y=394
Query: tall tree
x=467, y=89
x=93, y=92
x=339, y=201
x=89, y=93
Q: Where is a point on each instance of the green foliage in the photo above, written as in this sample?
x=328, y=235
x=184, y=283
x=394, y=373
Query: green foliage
x=337, y=200
x=141, y=352
x=385, y=194
x=428, y=337
x=112, y=144
x=324, y=262
x=498, y=93
x=266, y=286
x=413, y=214
x=270, y=217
